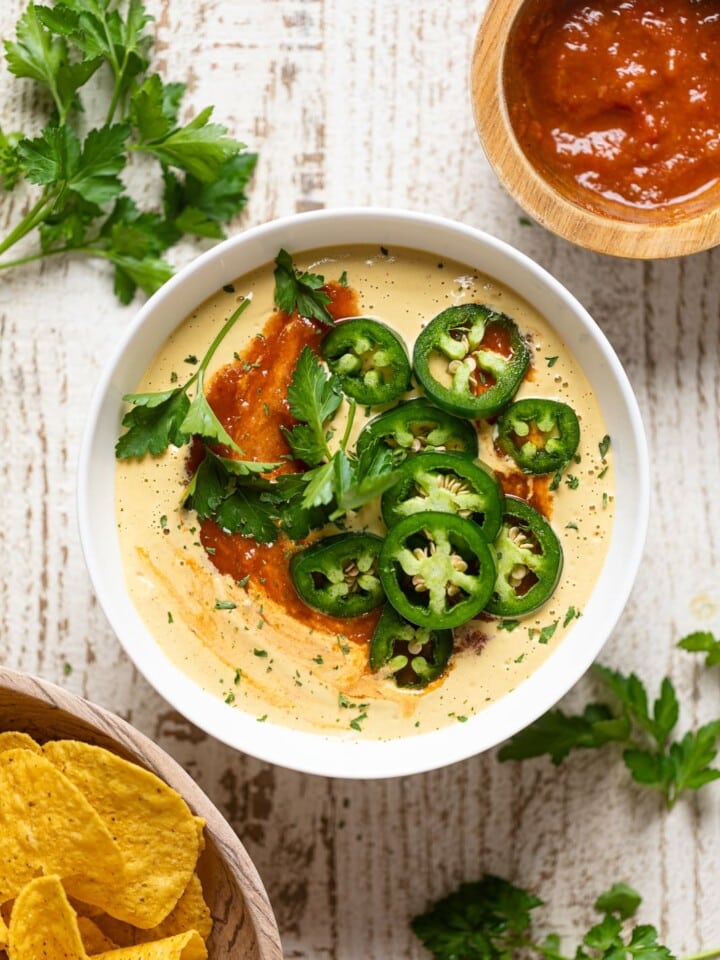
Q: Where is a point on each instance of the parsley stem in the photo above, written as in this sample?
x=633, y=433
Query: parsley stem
x=31, y=258
x=226, y=328
x=348, y=427
x=31, y=219
x=542, y=950
x=705, y=955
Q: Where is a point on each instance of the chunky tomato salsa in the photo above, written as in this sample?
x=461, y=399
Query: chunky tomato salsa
x=619, y=102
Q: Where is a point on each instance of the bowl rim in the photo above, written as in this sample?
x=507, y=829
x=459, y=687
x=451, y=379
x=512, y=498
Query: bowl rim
x=539, y=198
x=113, y=729
x=339, y=756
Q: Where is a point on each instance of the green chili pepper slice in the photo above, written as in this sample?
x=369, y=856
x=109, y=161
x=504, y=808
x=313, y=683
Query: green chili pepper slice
x=369, y=359
x=528, y=557
x=470, y=360
x=437, y=569
x=412, y=656
x=338, y=575
x=449, y=483
x=418, y=426
x=540, y=435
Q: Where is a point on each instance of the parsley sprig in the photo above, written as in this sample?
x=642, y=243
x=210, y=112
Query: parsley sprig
x=232, y=491
x=82, y=206
x=339, y=480
x=300, y=291
x=159, y=419
x=653, y=759
x=492, y=920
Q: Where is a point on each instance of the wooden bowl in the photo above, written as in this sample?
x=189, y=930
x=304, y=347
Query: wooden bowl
x=694, y=230
x=244, y=926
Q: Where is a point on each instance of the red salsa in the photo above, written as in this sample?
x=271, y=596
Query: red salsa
x=250, y=398
x=618, y=103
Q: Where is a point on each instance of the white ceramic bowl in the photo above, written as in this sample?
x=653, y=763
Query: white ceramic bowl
x=315, y=753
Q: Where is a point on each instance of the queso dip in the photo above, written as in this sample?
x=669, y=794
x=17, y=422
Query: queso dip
x=223, y=607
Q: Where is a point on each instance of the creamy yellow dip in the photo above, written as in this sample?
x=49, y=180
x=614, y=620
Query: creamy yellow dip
x=257, y=658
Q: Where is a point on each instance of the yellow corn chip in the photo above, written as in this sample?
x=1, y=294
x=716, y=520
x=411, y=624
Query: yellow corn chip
x=47, y=826
x=3, y=934
x=200, y=824
x=190, y=913
x=153, y=826
x=85, y=909
x=43, y=925
x=15, y=740
x=94, y=940
x=186, y=946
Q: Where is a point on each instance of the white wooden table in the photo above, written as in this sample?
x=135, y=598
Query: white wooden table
x=367, y=103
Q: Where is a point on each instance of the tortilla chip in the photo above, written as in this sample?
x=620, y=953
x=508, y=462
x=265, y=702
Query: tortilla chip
x=153, y=826
x=94, y=940
x=83, y=909
x=3, y=934
x=43, y=925
x=190, y=913
x=15, y=740
x=48, y=827
x=200, y=825
x=186, y=946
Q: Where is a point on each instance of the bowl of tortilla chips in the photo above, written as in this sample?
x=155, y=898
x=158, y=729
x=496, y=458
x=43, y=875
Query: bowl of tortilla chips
x=108, y=849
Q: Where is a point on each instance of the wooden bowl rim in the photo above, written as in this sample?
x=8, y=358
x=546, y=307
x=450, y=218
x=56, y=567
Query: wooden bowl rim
x=620, y=238
x=114, y=730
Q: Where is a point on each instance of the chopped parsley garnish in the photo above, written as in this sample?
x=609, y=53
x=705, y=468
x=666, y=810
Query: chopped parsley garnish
x=604, y=445
x=570, y=615
x=547, y=632
x=225, y=605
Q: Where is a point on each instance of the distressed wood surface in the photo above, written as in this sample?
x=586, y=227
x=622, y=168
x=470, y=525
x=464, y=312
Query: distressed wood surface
x=368, y=103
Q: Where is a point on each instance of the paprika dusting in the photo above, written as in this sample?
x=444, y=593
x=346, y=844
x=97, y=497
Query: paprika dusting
x=618, y=103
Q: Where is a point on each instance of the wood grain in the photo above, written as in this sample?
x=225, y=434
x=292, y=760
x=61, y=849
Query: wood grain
x=368, y=103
